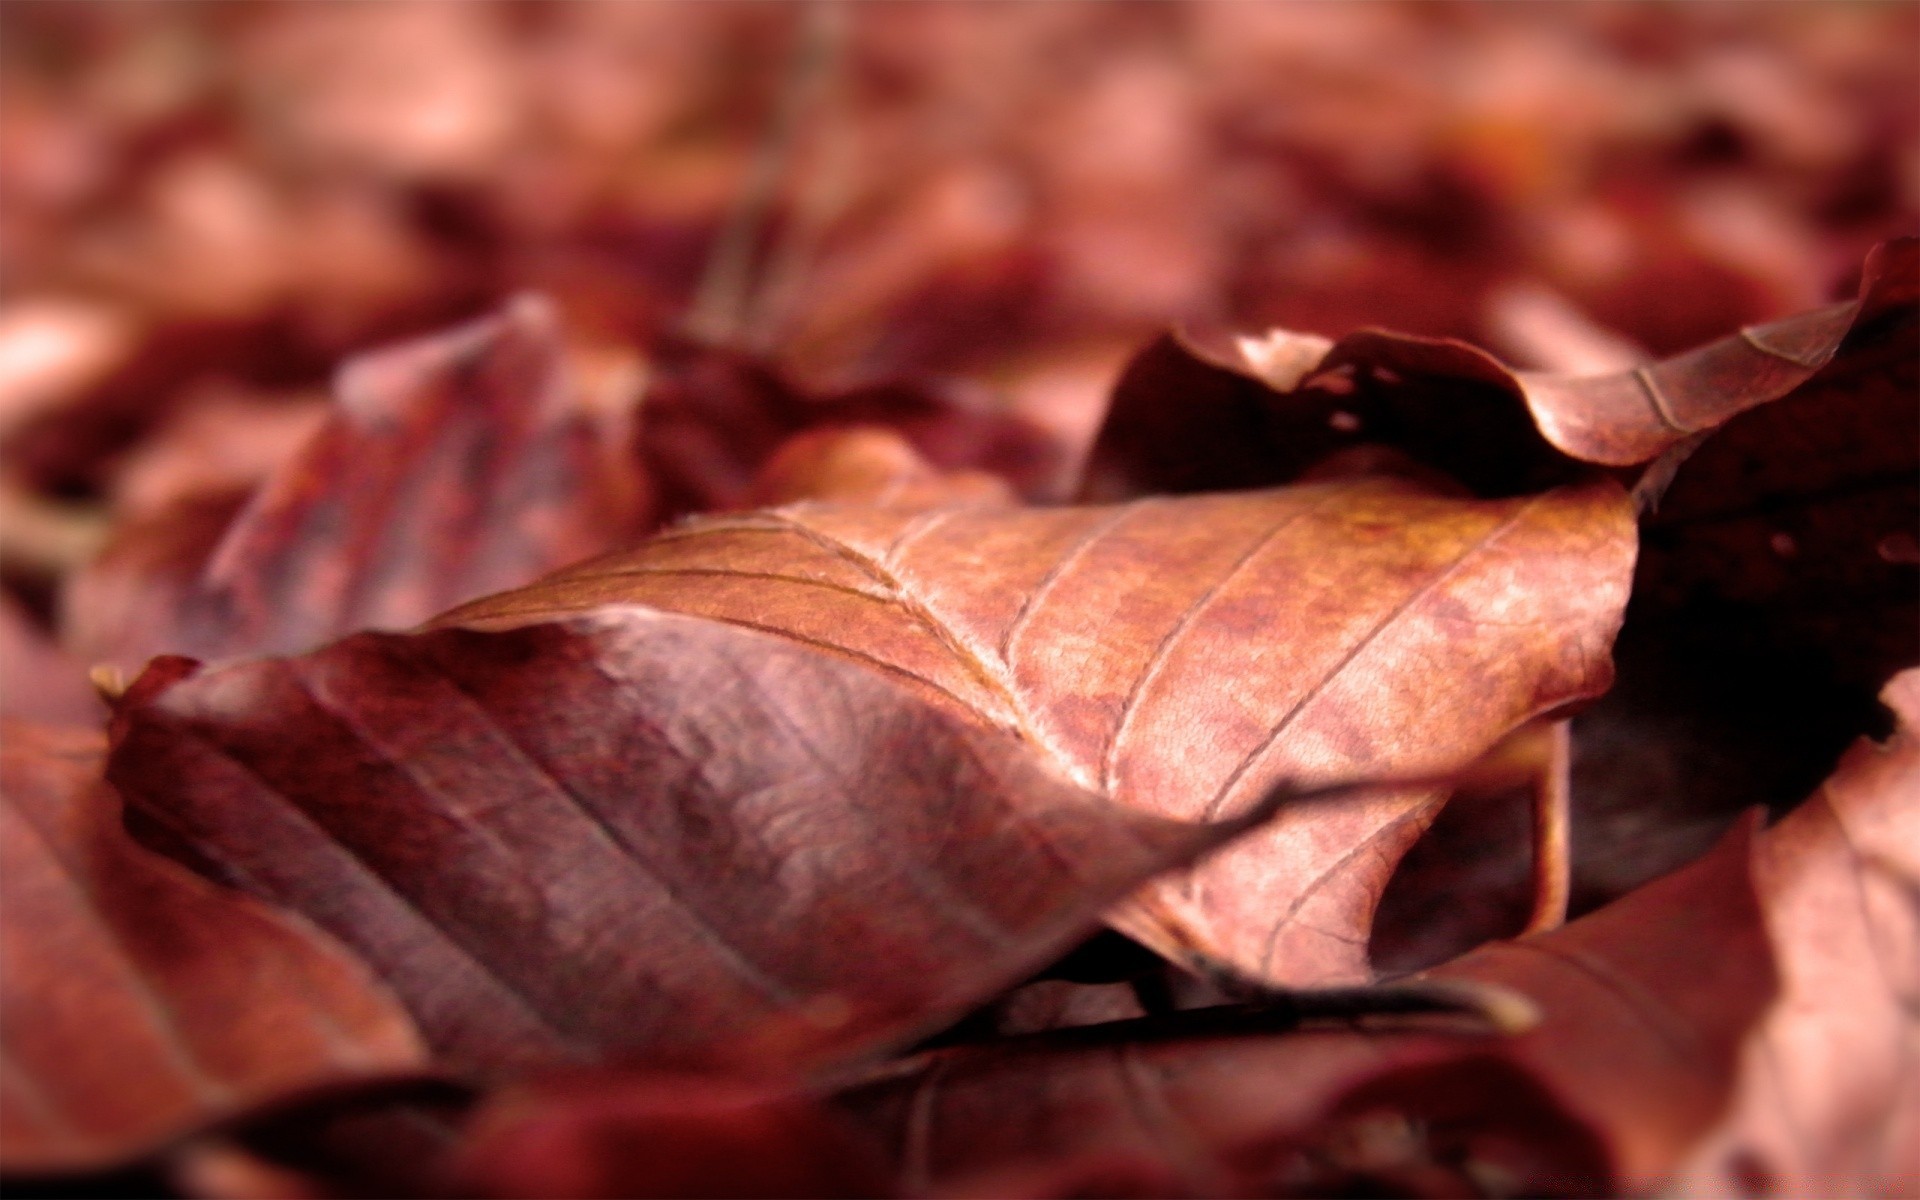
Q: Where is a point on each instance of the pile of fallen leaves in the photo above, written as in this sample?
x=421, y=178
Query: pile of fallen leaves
x=662, y=738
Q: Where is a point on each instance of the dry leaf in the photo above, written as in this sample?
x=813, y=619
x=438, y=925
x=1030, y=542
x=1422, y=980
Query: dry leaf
x=634, y=835
x=712, y=418
x=1253, y=415
x=577, y=1135
x=1181, y=656
x=141, y=1001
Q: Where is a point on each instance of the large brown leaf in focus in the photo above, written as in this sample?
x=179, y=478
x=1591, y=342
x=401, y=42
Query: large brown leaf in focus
x=1632, y=1059
x=634, y=835
x=139, y=1000
x=1829, y=1091
x=1776, y=587
x=1181, y=656
x=453, y=466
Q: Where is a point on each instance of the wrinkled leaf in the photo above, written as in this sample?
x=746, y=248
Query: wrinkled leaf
x=452, y=466
x=140, y=1000
x=1181, y=656
x=635, y=835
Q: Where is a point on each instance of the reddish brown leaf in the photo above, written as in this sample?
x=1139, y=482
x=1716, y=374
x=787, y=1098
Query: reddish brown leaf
x=453, y=466
x=1632, y=1058
x=1180, y=656
x=635, y=834
x=1778, y=588
x=1640, y=1030
x=140, y=1000
x=1264, y=410
x=1829, y=1083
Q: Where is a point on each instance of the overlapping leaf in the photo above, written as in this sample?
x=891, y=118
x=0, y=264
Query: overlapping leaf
x=635, y=835
x=1829, y=1083
x=1265, y=410
x=137, y=1000
x=1181, y=656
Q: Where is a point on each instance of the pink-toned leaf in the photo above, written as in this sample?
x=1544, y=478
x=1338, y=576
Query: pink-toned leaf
x=1828, y=1099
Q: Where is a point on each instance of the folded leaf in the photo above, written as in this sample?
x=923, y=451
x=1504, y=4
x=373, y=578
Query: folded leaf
x=137, y=1000
x=1181, y=656
x=1189, y=416
x=636, y=835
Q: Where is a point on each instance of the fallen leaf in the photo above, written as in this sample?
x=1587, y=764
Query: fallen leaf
x=1182, y=656
x=1828, y=1099
x=141, y=1001
x=1260, y=411
x=635, y=835
x=866, y=464
x=452, y=466
x=1631, y=1059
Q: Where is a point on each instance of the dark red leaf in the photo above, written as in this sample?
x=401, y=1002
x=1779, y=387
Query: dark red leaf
x=1189, y=415
x=635, y=835
x=712, y=417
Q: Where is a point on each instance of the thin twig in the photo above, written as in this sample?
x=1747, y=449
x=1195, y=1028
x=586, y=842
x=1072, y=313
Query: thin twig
x=724, y=297
x=1553, y=832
